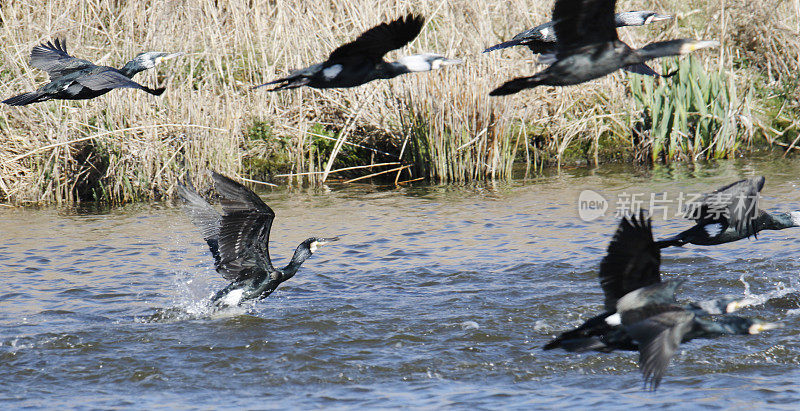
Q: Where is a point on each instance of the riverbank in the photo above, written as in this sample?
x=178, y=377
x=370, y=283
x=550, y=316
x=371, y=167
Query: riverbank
x=438, y=127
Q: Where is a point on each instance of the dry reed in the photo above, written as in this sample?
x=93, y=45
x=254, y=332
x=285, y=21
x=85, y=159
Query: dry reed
x=128, y=145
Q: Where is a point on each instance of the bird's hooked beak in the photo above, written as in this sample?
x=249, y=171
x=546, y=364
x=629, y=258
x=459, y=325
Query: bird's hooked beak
x=166, y=56
x=760, y=327
x=323, y=241
x=694, y=45
x=739, y=304
x=443, y=61
x=657, y=17
x=320, y=242
x=449, y=62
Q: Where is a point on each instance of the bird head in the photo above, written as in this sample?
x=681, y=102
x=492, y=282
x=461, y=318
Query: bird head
x=688, y=46
x=757, y=326
x=639, y=18
x=150, y=59
x=734, y=304
x=314, y=243
x=795, y=216
x=426, y=62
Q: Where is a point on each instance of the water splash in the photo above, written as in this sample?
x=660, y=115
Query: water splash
x=781, y=290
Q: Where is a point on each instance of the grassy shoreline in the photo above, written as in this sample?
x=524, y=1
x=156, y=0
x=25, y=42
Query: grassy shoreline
x=439, y=127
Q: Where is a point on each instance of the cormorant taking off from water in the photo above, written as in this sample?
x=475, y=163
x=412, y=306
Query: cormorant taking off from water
x=588, y=47
x=361, y=61
x=640, y=310
x=77, y=79
x=239, y=240
x=729, y=214
x=542, y=38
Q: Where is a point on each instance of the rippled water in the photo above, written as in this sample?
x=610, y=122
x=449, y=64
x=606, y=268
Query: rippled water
x=436, y=296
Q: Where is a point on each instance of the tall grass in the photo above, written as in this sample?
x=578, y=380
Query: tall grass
x=694, y=113
x=128, y=145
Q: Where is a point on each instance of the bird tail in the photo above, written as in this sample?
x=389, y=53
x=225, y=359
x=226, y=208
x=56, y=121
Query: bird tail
x=674, y=241
x=287, y=83
x=156, y=92
x=577, y=344
x=515, y=86
x=503, y=45
x=26, y=98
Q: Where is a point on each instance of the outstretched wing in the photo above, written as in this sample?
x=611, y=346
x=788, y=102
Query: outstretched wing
x=104, y=78
x=244, y=230
x=203, y=216
x=735, y=205
x=381, y=39
x=582, y=22
x=659, y=337
x=632, y=260
x=53, y=58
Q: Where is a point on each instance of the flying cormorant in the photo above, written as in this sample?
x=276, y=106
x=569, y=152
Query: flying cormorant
x=239, y=240
x=361, y=61
x=641, y=313
x=588, y=47
x=542, y=38
x=77, y=79
x=729, y=214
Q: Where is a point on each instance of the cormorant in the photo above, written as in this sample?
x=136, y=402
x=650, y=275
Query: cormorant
x=77, y=79
x=361, y=61
x=641, y=313
x=729, y=214
x=656, y=328
x=542, y=38
x=239, y=240
x=631, y=267
x=588, y=47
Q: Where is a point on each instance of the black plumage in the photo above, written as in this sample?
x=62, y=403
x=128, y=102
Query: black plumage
x=361, y=60
x=77, y=79
x=542, y=39
x=641, y=310
x=588, y=47
x=239, y=240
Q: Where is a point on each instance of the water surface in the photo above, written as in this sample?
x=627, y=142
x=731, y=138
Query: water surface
x=436, y=296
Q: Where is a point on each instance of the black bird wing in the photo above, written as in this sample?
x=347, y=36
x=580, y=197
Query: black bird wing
x=659, y=337
x=580, y=23
x=632, y=260
x=203, y=215
x=53, y=58
x=104, y=78
x=734, y=205
x=374, y=43
x=244, y=231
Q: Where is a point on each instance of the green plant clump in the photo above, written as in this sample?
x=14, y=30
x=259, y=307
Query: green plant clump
x=690, y=114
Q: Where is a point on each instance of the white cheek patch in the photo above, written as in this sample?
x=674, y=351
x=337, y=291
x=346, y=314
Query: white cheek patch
x=795, y=217
x=332, y=71
x=415, y=63
x=713, y=230
x=313, y=247
x=614, y=319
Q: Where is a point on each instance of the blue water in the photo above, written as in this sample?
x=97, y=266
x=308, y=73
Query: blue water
x=435, y=297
